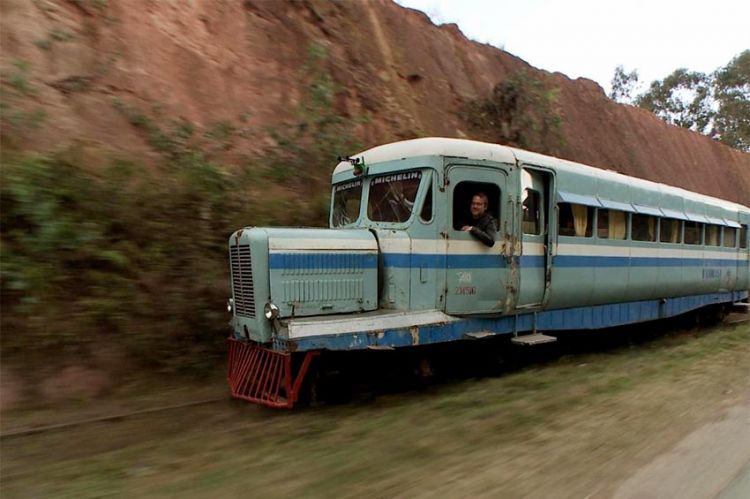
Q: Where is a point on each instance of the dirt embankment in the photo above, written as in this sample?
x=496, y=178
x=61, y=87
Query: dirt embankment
x=396, y=76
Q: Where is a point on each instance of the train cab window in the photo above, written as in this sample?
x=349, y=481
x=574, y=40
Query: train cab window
x=531, y=212
x=693, y=232
x=743, y=237
x=730, y=236
x=392, y=196
x=462, y=195
x=426, y=214
x=670, y=230
x=643, y=227
x=347, y=198
x=611, y=224
x=712, y=235
x=575, y=220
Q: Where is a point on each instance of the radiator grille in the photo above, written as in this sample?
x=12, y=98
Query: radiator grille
x=242, y=280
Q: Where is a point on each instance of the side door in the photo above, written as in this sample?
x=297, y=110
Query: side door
x=477, y=276
x=534, y=217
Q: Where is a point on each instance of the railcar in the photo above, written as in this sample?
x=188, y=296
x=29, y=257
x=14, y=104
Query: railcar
x=577, y=247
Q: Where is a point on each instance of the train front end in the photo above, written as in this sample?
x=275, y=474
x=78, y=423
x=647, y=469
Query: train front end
x=282, y=274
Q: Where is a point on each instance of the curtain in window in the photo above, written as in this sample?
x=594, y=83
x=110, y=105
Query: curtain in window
x=617, y=224
x=580, y=219
x=651, y=229
x=674, y=235
x=712, y=235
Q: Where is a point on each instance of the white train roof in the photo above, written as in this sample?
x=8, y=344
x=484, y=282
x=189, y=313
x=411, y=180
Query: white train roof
x=439, y=146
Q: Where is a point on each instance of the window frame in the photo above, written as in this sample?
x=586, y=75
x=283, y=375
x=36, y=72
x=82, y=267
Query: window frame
x=590, y=216
x=539, y=212
x=680, y=227
x=492, y=190
x=699, y=225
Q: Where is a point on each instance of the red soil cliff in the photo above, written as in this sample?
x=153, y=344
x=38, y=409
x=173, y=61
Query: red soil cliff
x=211, y=61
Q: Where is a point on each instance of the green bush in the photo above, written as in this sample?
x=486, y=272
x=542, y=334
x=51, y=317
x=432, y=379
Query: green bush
x=522, y=111
x=129, y=253
x=136, y=254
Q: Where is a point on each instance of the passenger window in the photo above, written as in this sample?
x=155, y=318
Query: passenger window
x=602, y=224
x=462, y=196
x=743, y=237
x=712, y=235
x=575, y=220
x=611, y=224
x=730, y=233
x=643, y=228
x=693, y=232
x=426, y=214
x=531, y=216
x=670, y=230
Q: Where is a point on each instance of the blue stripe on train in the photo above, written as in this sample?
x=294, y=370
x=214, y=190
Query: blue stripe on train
x=405, y=260
x=625, y=261
x=416, y=260
x=593, y=317
x=280, y=261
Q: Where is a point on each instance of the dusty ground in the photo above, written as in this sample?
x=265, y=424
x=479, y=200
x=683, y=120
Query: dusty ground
x=712, y=459
x=581, y=425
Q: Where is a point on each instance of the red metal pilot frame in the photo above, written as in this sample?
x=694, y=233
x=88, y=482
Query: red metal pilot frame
x=264, y=376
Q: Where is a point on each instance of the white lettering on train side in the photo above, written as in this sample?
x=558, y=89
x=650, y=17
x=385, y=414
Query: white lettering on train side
x=397, y=177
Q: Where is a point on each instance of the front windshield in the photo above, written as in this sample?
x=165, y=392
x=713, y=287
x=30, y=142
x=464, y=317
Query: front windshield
x=346, y=201
x=392, y=196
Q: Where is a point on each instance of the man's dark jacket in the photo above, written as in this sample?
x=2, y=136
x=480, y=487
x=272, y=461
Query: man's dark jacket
x=484, y=228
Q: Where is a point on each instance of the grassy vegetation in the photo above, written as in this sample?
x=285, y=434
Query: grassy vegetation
x=522, y=111
x=18, y=119
x=134, y=254
x=571, y=427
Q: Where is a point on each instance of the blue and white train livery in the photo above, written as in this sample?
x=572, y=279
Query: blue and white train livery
x=575, y=247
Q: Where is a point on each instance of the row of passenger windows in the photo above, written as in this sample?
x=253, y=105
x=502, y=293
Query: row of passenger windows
x=578, y=221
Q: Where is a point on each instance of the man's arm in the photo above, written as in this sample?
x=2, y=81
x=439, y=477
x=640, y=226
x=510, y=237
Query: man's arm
x=487, y=233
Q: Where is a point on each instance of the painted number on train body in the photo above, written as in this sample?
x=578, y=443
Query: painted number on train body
x=711, y=274
x=464, y=277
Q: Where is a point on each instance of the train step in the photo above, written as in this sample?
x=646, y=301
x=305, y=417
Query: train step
x=533, y=339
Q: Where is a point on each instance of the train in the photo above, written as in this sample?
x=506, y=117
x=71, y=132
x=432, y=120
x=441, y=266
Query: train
x=571, y=247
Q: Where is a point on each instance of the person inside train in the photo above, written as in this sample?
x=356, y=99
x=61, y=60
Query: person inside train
x=484, y=225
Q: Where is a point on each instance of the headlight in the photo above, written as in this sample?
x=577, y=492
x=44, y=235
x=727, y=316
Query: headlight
x=271, y=311
x=230, y=305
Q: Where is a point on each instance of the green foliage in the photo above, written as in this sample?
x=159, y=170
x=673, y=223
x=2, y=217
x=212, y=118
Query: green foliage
x=17, y=117
x=623, y=85
x=522, y=111
x=18, y=78
x=732, y=93
x=135, y=254
x=683, y=98
x=128, y=254
x=303, y=152
x=19, y=122
x=222, y=133
x=43, y=43
x=716, y=104
x=91, y=6
x=60, y=35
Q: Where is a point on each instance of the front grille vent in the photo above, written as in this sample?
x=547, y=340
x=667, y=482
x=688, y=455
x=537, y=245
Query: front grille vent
x=242, y=280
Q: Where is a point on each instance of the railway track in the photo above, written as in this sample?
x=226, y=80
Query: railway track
x=741, y=314
x=21, y=432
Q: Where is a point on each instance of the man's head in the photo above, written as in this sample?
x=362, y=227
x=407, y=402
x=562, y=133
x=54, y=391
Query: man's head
x=478, y=204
